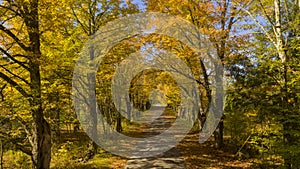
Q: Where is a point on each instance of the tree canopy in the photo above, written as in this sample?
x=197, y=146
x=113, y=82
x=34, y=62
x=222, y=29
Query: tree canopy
x=256, y=41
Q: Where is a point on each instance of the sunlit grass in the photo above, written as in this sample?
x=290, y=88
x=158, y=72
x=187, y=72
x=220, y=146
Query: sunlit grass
x=103, y=160
x=16, y=159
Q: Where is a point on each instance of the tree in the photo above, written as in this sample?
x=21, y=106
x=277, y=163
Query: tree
x=90, y=15
x=217, y=20
x=39, y=41
x=269, y=87
x=23, y=49
x=281, y=20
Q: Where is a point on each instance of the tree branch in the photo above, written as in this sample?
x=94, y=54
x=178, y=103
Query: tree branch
x=78, y=20
x=13, y=59
x=259, y=25
x=10, y=9
x=14, y=37
x=14, y=84
x=15, y=75
x=265, y=13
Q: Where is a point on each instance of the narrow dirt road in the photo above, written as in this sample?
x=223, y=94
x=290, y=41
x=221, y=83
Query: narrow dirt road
x=170, y=159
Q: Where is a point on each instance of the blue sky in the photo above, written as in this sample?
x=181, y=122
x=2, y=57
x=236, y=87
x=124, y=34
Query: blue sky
x=140, y=3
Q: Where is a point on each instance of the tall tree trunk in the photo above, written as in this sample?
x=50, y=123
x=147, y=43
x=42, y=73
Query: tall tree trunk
x=41, y=136
x=92, y=108
x=280, y=46
x=1, y=154
x=226, y=20
x=218, y=107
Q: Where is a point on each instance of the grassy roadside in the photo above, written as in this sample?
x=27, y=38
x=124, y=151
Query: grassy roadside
x=206, y=156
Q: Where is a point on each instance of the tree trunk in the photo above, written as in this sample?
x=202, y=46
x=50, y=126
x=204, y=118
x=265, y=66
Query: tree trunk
x=218, y=135
x=1, y=154
x=219, y=105
x=41, y=133
x=92, y=107
x=41, y=136
x=119, y=123
x=41, y=148
x=280, y=46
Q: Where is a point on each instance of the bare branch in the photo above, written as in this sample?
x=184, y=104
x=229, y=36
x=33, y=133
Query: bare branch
x=260, y=25
x=14, y=75
x=10, y=9
x=8, y=19
x=78, y=20
x=12, y=35
x=14, y=84
x=14, y=59
x=266, y=14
